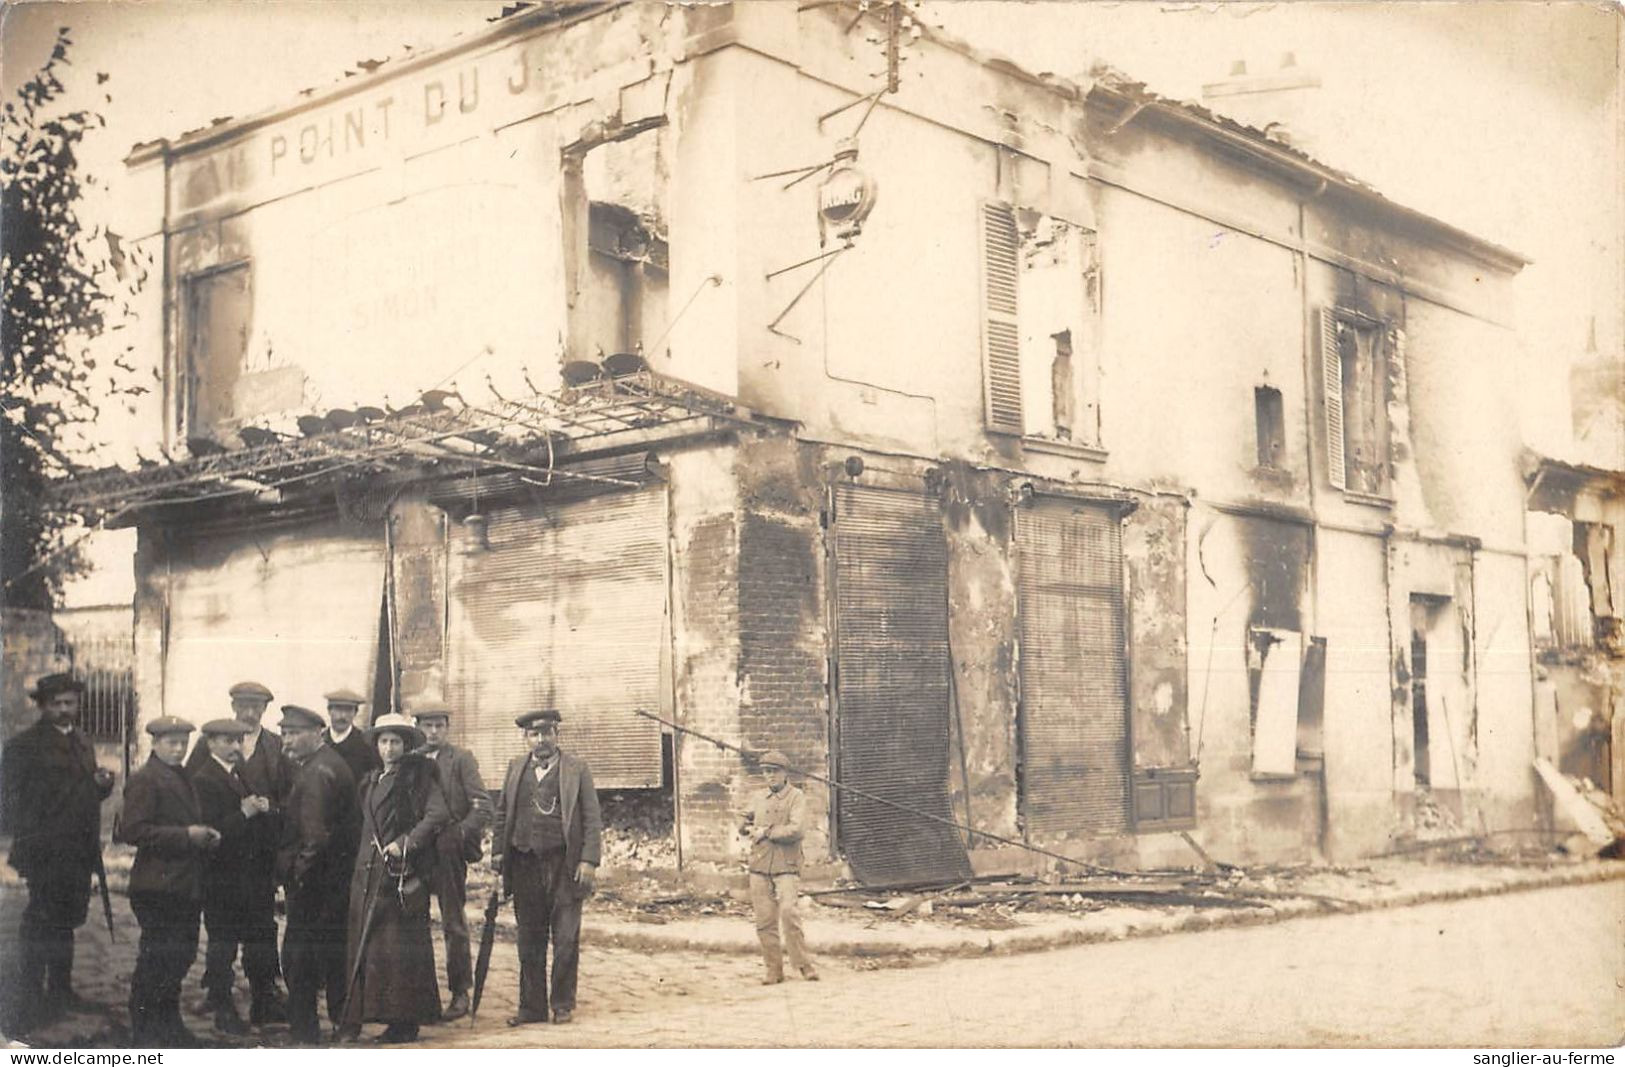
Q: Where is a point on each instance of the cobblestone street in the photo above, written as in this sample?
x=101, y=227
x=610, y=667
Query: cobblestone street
x=1519, y=969
x=1539, y=968
x=614, y=982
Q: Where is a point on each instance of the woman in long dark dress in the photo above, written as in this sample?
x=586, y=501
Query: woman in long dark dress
x=403, y=809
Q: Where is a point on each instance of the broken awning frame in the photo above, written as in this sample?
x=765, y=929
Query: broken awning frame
x=499, y=436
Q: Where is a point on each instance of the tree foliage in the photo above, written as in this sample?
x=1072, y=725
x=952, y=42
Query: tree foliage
x=67, y=289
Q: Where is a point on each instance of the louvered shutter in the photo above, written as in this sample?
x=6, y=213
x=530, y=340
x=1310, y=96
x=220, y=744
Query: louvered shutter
x=564, y=609
x=295, y=609
x=1074, y=716
x=892, y=664
x=1331, y=365
x=1001, y=337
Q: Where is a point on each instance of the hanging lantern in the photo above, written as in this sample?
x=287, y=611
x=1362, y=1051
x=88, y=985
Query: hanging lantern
x=478, y=529
x=846, y=197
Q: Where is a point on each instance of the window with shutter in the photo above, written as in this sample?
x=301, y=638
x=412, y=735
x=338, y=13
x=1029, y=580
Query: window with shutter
x=1001, y=332
x=1331, y=359
x=1356, y=352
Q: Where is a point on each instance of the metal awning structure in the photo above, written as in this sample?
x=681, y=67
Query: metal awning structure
x=527, y=435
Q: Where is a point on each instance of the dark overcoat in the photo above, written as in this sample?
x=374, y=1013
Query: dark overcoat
x=159, y=804
x=51, y=803
x=397, y=982
x=320, y=827
x=583, y=822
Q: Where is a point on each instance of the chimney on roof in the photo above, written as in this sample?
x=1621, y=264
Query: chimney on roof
x=1278, y=100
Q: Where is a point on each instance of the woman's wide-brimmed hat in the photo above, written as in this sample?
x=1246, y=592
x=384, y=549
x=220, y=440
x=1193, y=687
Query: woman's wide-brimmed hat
x=398, y=724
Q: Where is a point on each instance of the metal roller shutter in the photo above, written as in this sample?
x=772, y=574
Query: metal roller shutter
x=565, y=610
x=1074, y=720
x=891, y=576
x=296, y=611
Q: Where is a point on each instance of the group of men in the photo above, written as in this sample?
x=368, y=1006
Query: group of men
x=215, y=834
x=249, y=810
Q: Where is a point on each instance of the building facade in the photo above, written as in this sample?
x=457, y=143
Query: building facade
x=1122, y=474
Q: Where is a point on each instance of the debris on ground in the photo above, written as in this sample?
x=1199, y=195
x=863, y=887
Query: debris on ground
x=1583, y=806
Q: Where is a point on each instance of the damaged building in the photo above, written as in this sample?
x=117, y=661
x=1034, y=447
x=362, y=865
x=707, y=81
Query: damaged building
x=1123, y=478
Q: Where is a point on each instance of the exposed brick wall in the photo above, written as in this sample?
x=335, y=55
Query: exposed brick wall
x=781, y=653
x=749, y=635
x=706, y=615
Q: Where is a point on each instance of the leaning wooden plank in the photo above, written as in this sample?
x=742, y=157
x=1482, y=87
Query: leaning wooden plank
x=1568, y=800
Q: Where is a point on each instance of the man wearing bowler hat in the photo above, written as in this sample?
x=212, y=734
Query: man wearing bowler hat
x=321, y=828
x=53, y=793
x=546, y=846
x=263, y=770
x=458, y=845
x=163, y=821
x=236, y=813
x=343, y=737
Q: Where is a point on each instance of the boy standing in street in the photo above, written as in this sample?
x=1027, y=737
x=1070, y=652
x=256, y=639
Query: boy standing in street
x=772, y=823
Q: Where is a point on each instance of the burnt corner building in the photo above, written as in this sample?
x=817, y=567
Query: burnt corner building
x=1123, y=473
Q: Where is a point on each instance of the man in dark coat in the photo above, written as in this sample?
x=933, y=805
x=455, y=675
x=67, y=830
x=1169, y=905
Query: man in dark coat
x=458, y=845
x=164, y=823
x=321, y=829
x=53, y=792
x=546, y=846
x=230, y=874
x=263, y=770
x=345, y=738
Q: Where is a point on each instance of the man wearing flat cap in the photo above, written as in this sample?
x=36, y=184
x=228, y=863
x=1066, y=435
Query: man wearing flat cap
x=51, y=805
x=458, y=845
x=772, y=824
x=229, y=873
x=263, y=771
x=321, y=828
x=163, y=821
x=342, y=736
x=546, y=846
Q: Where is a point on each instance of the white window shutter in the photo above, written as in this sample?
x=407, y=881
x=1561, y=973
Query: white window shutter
x=1001, y=336
x=1331, y=365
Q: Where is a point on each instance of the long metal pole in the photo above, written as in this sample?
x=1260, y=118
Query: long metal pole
x=1096, y=868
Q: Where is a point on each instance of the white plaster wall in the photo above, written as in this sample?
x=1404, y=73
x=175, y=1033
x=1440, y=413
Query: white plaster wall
x=1506, y=745
x=1463, y=383
x=1350, y=591
x=1196, y=317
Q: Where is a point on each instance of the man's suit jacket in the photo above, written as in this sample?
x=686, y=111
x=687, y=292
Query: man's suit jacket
x=51, y=802
x=583, y=823
x=159, y=804
x=466, y=796
x=220, y=800
x=266, y=774
x=358, y=753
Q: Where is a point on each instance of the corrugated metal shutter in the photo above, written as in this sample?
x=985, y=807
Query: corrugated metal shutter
x=1001, y=332
x=891, y=575
x=1074, y=717
x=1331, y=366
x=297, y=612
x=564, y=609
